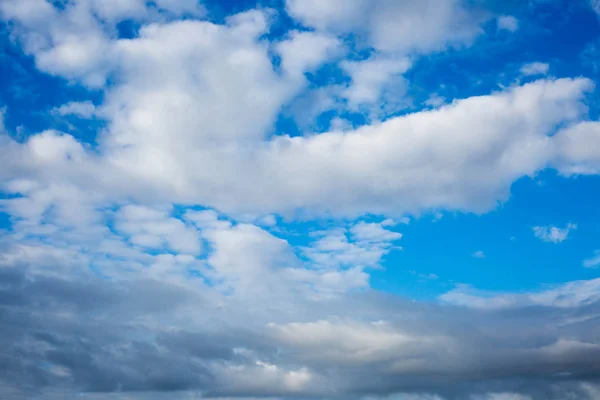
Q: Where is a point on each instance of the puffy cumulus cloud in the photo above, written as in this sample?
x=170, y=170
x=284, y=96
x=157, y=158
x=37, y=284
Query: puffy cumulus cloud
x=371, y=76
x=577, y=149
x=304, y=51
x=165, y=145
x=394, y=30
x=74, y=39
x=193, y=104
x=399, y=26
x=154, y=229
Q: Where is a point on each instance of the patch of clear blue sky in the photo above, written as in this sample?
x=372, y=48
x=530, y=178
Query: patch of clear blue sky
x=555, y=32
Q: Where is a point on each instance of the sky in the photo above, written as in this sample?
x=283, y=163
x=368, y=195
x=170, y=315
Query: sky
x=300, y=199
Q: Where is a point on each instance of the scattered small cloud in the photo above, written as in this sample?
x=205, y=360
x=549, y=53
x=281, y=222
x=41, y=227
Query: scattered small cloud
x=478, y=254
x=507, y=23
x=553, y=234
x=435, y=100
x=82, y=109
x=535, y=68
x=592, y=262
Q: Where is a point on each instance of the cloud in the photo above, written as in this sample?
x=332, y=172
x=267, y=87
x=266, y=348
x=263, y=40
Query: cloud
x=85, y=109
x=478, y=254
x=154, y=150
x=371, y=76
x=391, y=25
x=161, y=260
x=396, y=32
x=508, y=23
x=154, y=229
x=304, y=51
x=535, y=68
x=577, y=149
x=569, y=295
x=595, y=4
x=593, y=261
x=139, y=336
x=553, y=234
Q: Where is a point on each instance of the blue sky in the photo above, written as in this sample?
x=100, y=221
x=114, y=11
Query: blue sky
x=263, y=199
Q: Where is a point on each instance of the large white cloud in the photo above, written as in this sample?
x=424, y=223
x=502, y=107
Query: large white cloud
x=463, y=156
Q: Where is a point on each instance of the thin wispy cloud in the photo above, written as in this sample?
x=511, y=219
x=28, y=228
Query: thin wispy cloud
x=553, y=234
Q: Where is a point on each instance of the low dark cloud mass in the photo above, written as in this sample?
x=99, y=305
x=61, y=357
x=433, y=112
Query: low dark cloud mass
x=92, y=337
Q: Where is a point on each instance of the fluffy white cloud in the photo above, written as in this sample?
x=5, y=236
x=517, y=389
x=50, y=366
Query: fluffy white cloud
x=578, y=149
x=170, y=144
x=535, y=68
x=553, y=234
x=150, y=228
x=398, y=26
x=372, y=76
x=395, y=30
x=304, y=51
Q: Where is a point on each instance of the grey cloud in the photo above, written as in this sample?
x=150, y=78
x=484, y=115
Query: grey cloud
x=91, y=335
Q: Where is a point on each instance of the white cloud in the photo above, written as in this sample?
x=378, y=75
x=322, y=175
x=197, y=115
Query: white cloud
x=336, y=15
x=178, y=144
x=362, y=244
x=304, y=51
x=569, y=295
x=535, y=68
x=370, y=77
x=392, y=26
x=85, y=109
x=553, y=234
x=435, y=100
x=508, y=23
x=154, y=229
x=352, y=342
x=578, y=149
x=395, y=30
x=593, y=261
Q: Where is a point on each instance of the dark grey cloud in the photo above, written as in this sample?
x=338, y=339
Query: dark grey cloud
x=91, y=336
